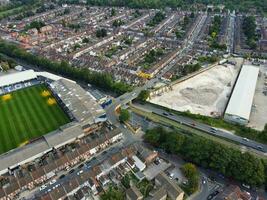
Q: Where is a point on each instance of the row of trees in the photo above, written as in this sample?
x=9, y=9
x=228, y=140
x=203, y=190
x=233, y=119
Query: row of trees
x=249, y=28
x=208, y=59
x=243, y=5
x=101, y=80
x=190, y=68
x=21, y=8
x=242, y=167
x=214, y=31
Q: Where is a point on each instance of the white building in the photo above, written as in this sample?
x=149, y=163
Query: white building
x=239, y=106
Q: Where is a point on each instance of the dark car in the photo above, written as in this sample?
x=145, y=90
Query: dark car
x=62, y=176
x=210, y=197
x=81, y=165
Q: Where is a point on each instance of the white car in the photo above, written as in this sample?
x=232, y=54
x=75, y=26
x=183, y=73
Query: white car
x=52, y=181
x=246, y=186
x=43, y=187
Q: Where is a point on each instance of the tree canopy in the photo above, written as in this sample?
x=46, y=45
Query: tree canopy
x=243, y=167
x=143, y=95
x=191, y=173
x=243, y=5
x=101, y=33
x=112, y=193
x=124, y=115
x=101, y=80
x=249, y=28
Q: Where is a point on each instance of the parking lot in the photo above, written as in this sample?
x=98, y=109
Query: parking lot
x=176, y=174
x=259, y=109
x=154, y=169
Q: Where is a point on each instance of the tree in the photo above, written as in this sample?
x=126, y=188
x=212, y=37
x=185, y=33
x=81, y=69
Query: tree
x=5, y=66
x=85, y=40
x=124, y=115
x=128, y=40
x=112, y=193
x=191, y=173
x=159, y=16
x=189, y=169
x=178, y=34
x=35, y=24
x=100, y=33
x=249, y=28
x=113, y=12
x=143, y=95
x=117, y=23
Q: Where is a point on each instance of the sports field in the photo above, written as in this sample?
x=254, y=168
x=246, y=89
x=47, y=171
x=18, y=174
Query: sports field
x=27, y=114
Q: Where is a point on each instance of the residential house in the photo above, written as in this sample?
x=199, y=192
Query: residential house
x=174, y=192
x=233, y=192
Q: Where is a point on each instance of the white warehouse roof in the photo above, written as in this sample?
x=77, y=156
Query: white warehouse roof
x=17, y=77
x=242, y=97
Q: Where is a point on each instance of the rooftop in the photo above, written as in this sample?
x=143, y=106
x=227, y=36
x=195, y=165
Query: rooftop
x=172, y=188
x=242, y=97
x=133, y=193
x=80, y=102
x=17, y=77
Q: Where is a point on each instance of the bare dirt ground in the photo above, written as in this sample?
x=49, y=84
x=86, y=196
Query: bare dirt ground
x=205, y=94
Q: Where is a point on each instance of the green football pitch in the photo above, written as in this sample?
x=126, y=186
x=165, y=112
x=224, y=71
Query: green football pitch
x=27, y=114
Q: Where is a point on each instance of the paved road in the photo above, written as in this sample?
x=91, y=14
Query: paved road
x=206, y=128
x=128, y=97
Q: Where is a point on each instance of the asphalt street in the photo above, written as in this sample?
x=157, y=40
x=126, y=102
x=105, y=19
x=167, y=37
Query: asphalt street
x=206, y=128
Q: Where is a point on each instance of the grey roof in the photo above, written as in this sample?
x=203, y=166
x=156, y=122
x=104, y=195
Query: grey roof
x=158, y=194
x=133, y=193
x=19, y=155
x=172, y=188
x=242, y=97
x=81, y=104
x=64, y=135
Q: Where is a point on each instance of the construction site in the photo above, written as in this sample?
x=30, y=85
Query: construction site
x=206, y=93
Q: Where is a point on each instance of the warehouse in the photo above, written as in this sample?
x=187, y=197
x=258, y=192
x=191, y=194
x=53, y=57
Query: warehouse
x=240, y=103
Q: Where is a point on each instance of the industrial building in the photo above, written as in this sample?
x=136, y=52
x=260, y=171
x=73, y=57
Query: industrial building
x=239, y=106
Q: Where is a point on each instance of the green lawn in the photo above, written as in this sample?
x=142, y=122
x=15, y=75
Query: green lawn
x=26, y=114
